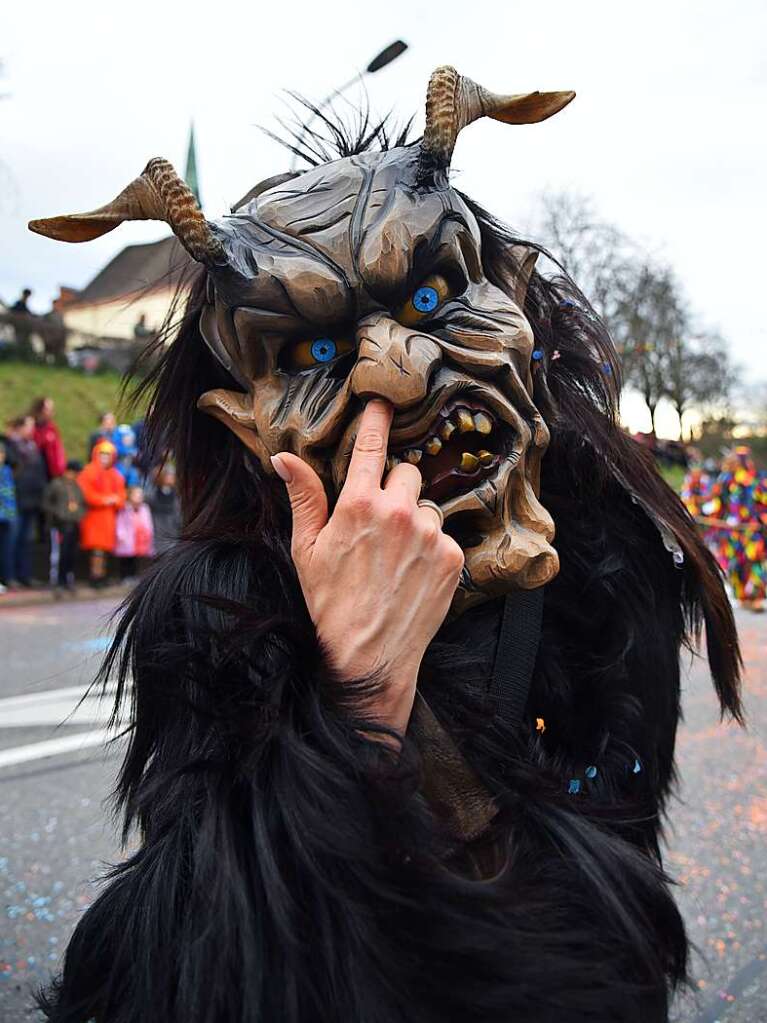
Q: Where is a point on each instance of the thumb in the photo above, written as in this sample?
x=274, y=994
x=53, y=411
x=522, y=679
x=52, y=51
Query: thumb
x=308, y=502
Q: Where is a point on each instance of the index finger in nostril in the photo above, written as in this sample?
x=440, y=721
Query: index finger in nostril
x=369, y=452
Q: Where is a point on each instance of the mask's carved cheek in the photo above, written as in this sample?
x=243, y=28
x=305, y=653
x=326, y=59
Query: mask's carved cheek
x=516, y=549
x=505, y=532
x=304, y=414
x=485, y=331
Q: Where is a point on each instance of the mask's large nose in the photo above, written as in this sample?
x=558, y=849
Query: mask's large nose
x=393, y=362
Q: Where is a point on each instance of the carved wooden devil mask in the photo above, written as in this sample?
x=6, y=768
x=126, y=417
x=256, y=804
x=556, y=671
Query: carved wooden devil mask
x=363, y=277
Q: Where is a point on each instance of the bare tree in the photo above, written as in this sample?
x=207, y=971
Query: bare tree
x=642, y=305
x=594, y=253
x=649, y=317
x=700, y=375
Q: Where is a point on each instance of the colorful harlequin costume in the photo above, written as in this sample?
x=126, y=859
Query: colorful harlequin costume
x=696, y=490
x=500, y=861
x=738, y=503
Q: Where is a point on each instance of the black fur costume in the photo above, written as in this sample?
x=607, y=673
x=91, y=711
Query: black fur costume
x=291, y=869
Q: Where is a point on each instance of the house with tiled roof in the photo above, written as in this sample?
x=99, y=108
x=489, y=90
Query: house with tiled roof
x=140, y=281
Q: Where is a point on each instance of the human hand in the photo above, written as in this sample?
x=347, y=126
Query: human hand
x=378, y=576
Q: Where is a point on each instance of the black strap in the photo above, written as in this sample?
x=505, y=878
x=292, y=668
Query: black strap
x=516, y=652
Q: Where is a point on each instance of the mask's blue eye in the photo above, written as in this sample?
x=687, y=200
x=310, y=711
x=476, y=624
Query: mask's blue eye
x=315, y=351
x=323, y=349
x=425, y=299
x=430, y=295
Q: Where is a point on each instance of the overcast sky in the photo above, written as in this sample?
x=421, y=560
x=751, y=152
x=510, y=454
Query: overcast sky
x=667, y=131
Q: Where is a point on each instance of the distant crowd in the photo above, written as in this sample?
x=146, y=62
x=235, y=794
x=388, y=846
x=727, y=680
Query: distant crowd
x=117, y=508
x=729, y=503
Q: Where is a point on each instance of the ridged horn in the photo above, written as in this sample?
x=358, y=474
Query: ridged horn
x=453, y=101
x=157, y=194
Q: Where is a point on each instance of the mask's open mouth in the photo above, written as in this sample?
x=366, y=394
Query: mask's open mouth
x=463, y=446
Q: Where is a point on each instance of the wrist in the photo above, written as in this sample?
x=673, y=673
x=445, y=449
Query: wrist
x=393, y=694
x=395, y=705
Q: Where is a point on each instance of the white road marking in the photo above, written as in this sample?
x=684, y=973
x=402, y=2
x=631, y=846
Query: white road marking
x=43, y=695
x=53, y=747
x=71, y=705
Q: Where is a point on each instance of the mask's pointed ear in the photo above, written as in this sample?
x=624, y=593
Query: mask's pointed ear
x=157, y=194
x=524, y=259
x=235, y=410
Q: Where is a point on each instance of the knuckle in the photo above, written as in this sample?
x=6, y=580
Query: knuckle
x=430, y=532
x=452, y=555
x=359, y=505
x=370, y=441
x=399, y=516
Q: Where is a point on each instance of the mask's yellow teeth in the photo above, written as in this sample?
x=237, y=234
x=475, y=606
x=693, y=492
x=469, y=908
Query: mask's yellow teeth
x=482, y=423
x=452, y=452
x=465, y=420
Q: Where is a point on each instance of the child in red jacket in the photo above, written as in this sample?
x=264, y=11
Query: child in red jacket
x=103, y=488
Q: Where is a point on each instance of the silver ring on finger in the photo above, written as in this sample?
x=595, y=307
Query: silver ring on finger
x=423, y=503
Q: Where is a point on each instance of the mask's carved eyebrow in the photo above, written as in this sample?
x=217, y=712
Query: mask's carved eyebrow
x=254, y=237
x=451, y=250
x=267, y=321
x=278, y=274
x=293, y=293
x=317, y=221
x=412, y=235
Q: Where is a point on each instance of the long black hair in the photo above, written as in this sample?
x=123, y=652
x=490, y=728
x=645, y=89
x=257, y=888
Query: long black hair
x=290, y=868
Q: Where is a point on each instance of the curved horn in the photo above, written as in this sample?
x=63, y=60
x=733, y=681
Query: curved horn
x=453, y=101
x=157, y=194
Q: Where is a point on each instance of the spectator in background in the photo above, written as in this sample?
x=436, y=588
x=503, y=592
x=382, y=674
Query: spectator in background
x=21, y=326
x=135, y=534
x=162, y=498
x=30, y=478
x=141, y=461
x=104, y=491
x=124, y=439
x=696, y=489
x=64, y=507
x=21, y=305
x=737, y=509
x=54, y=336
x=48, y=438
x=140, y=330
x=8, y=517
x=11, y=452
x=107, y=425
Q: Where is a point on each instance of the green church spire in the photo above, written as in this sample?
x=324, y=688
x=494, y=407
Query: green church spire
x=190, y=175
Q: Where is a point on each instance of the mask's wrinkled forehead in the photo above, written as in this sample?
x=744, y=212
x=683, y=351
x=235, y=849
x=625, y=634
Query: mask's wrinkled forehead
x=344, y=237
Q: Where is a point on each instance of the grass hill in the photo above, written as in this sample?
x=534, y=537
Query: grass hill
x=80, y=399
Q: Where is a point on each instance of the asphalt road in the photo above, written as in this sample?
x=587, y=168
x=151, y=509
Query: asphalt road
x=56, y=834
